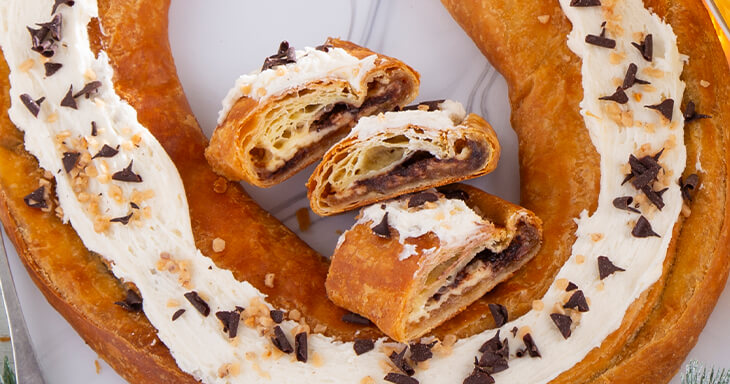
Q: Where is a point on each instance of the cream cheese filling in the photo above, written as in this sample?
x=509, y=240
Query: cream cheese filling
x=198, y=343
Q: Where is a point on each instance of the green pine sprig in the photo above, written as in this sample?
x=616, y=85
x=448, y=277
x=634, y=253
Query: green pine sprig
x=8, y=377
x=696, y=373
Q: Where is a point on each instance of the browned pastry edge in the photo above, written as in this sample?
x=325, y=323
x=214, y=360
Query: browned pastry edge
x=476, y=128
x=545, y=90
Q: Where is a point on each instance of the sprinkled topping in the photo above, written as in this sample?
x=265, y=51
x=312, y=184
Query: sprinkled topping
x=198, y=303
x=428, y=106
x=585, y=3
x=630, y=78
x=285, y=55
x=571, y=287
x=94, y=130
x=399, y=360
x=88, y=89
x=44, y=39
x=132, y=302
x=419, y=199
x=34, y=106
x=124, y=219
x=479, y=377
x=531, y=346
x=666, y=108
x=563, y=322
x=382, y=229
x=68, y=100
x=69, y=160
x=643, y=228
x=127, y=175
x=37, y=198
x=106, y=151
x=688, y=185
x=300, y=346
x=280, y=341
x=499, y=313
x=363, y=346
x=354, y=318
x=230, y=321
x=421, y=352
x=619, y=96
x=494, y=355
x=578, y=301
x=690, y=114
x=399, y=378
x=58, y=3
x=624, y=203
x=276, y=315
x=646, y=47
x=644, y=172
x=52, y=68
x=606, y=268
x=601, y=41
x=177, y=314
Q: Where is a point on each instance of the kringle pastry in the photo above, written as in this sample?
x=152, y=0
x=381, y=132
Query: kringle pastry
x=384, y=156
x=412, y=263
x=277, y=121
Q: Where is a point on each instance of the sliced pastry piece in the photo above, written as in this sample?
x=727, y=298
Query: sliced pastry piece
x=284, y=117
x=414, y=262
x=384, y=156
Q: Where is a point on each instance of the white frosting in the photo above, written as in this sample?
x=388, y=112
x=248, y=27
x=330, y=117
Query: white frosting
x=447, y=117
x=198, y=343
x=311, y=65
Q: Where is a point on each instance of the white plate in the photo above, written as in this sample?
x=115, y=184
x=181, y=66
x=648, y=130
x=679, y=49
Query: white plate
x=215, y=41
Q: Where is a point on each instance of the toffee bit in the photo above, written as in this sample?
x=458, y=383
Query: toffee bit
x=577, y=301
x=68, y=100
x=688, y=185
x=52, y=68
x=690, y=114
x=276, y=315
x=69, y=160
x=300, y=346
x=431, y=105
x=354, y=318
x=106, y=151
x=127, y=175
x=399, y=378
x=419, y=199
x=177, y=314
x=94, y=130
x=198, y=303
x=399, y=360
x=36, y=199
x=624, y=203
x=280, y=341
x=124, y=220
x=456, y=194
x=285, y=55
x=34, y=106
x=363, y=346
x=230, y=320
x=606, y=268
x=478, y=376
x=132, y=302
x=601, y=41
x=89, y=89
x=630, y=78
x=646, y=47
x=53, y=27
x=643, y=229
x=571, y=287
x=421, y=352
x=563, y=322
x=532, y=349
x=666, y=108
x=619, y=96
x=382, y=229
x=499, y=313
x=58, y=3
x=585, y=3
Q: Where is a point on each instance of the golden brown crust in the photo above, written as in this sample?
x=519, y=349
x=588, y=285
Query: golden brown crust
x=661, y=326
x=229, y=149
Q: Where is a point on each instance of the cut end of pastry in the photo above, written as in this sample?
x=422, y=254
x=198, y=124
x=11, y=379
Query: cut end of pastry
x=265, y=139
x=408, y=268
x=401, y=152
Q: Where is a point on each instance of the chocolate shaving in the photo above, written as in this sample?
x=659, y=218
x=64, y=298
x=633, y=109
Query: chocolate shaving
x=34, y=106
x=688, y=185
x=563, y=322
x=601, y=41
x=177, y=314
x=94, y=130
x=606, y=268
x=478, y=376
x=456, y=194
x=531, y=346
x=571, y=287
x=68, y=100
x=58, y=3
x=399, y=378
x=127, y=175
x=624, y=203
x=578, y=302
x=53, y=27
x=132, y=303
x=494, y=355
x=124, y=219
x=666, y=108
x=230, y=321
x=280, y=341
x=646, y=47
x=198, y=303
x=354, y=318
x=421, y=352
x=382, y=229
x=514, y=331
x=133, y=205
x=69, y=160
x=643, y=229
x=619, y=96
x=88, y=89
x=432, y=105
x=492, y=344
x=419, y=199
x=285, y=55
x=300, y=346
x=499, y=313
x=690, y=114
x=276, y=315
x=631, y=79
x=363, y=346
x=37, y=198
x=399, y=360
x=585, y=3
x=324, y=47
x=42, y=42
x=52, y=68
x=106, y=151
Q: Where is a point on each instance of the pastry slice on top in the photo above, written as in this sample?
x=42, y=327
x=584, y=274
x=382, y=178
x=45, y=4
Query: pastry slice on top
x=278, y=120
x=414, y=262
x=428, y=145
